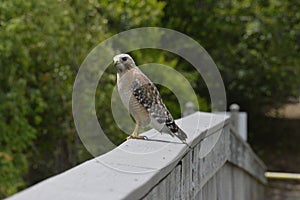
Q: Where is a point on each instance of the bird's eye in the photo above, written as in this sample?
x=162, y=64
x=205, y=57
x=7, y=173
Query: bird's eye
x=124, y=59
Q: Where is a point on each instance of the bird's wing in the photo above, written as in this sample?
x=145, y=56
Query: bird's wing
x=148, y=96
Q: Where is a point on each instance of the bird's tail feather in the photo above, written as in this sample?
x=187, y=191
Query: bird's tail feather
x=180, y=134
x=174, y=130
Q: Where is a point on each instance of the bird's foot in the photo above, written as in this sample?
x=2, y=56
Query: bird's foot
x=137, y=137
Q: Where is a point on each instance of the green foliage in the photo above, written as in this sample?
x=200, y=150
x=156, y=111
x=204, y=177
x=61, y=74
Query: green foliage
x=254, y=43
x=42, y=46
x=18, y=100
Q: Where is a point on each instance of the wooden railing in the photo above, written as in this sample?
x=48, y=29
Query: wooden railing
x=219, y=164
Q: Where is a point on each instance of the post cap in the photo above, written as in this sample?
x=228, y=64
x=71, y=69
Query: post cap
x=234, y=107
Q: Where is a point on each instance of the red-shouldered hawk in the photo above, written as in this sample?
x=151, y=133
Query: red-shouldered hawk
x=142, y=99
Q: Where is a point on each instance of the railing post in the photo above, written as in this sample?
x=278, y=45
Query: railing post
x=234, y=118
x=238, y=121
x=189, y=108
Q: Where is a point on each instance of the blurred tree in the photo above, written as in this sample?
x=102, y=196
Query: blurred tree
x=254, y=43
x=42, y=46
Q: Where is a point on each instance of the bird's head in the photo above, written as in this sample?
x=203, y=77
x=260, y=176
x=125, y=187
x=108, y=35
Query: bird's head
x=123, y=62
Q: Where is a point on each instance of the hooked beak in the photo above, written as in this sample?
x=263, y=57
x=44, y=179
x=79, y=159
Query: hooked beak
x=116, y=62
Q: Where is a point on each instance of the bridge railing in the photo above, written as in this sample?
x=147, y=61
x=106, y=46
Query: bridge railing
x=219, y=164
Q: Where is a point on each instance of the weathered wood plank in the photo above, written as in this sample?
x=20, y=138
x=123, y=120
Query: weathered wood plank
x=224, y=183
x=243, y=156
x=176, y=185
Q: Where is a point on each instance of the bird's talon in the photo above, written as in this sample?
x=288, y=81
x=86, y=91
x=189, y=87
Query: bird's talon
x=129, y=137
x=144, y=138
x=137, y=137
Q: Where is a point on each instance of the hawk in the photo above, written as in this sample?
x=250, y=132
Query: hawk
x=142, y=99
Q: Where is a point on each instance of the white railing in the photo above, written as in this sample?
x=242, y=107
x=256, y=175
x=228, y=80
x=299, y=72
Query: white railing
x=219, y=165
